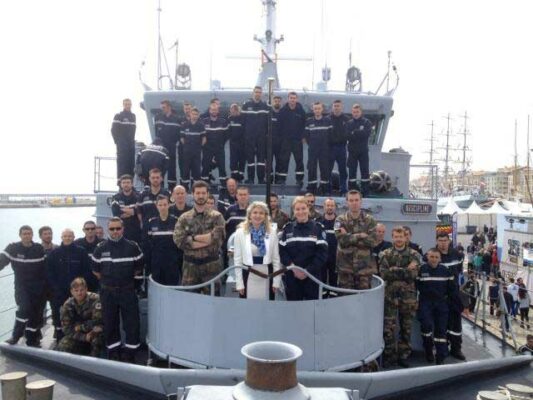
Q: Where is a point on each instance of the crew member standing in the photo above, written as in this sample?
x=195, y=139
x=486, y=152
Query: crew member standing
x=161, y=254
x=167, y=128
x=256, y=113
x=124, y=205
x=200, y=234
x=227, y=196
x=328, y=221
x=451, y=259
x=89, y=243
x=192, y=139
x=317, y=132
x=236, y=213
x=179, y=204
x=146, y=208
x=64, y=264
x=337, y=142
x=302, y=244
x=123, y=132
x=291, y=125
x=28, y=263
x=237, y=156
x=415, y=246
x=277, y=215
x=381, y=243
x=399, y=267
x=115, y=262
x=276, y=139
x=356, y=237
x=435, y=285
x=216, y=131
x=359, y=129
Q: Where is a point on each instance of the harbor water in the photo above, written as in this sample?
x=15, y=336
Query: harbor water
x=12, y=219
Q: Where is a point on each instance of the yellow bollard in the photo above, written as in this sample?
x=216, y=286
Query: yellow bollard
x=14, y=385
x=40, y=390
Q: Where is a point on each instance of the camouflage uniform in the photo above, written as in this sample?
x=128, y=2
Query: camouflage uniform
x=355, y=263
x=77, y=321
x=281, y=218
x=400, y=299
x=200, y=265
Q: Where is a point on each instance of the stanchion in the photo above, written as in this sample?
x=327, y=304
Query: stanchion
x=14, y=385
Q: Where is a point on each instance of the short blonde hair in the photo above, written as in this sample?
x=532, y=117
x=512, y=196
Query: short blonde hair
x=261, y=205
x=299, y=199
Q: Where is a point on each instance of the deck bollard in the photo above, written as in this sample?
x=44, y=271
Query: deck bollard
x=40, y=390
x=14, y=385
x=271, y=372
x=517, y=391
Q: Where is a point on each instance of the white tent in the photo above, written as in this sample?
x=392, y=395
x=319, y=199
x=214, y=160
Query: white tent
x=473, y=216
x=451, y=208
x=497, y=209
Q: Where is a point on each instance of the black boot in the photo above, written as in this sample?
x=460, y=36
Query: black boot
x=458, y=354
x=430, y=357
x=114, y=354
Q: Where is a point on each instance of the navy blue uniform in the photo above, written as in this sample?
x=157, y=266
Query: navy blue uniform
x=28, y=264
x=276, y=146
x=64, y=264
x=329, y=275
x=92, y=282
x=291, y=128
x=224, y=201
x=191, y=138
x=237, y=155
x=216, y=131
x=358, y=131
x=161, y=254
x=317, y=132
x=167, y=128
x=146, y=205
x=132, y=225
x=152, y=156
x=337, y=147
x=118, y=262
x=123, y=132
x=173, y=210
x=436, y=287
x=234, y=216
x=416, y=247
x=304, y=245
x=453, y=260
x=255, y=129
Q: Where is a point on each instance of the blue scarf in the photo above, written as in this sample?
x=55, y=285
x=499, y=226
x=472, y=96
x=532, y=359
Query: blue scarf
x=258, y=238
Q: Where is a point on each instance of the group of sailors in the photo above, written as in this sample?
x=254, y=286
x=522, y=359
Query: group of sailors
x=97, y=283
x=195, y=143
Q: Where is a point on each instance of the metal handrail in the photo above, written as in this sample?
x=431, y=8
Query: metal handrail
x=322, y=285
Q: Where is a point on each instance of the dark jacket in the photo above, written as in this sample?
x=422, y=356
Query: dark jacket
x=123, y=127
x=216, y=132
x=192, y=135
x=304, y=245
x=338, y=134
x=255, y=118
x=28, y=264
x=168, y=130
x=132, y=226
x=153, y=156
x=64, y=264
x=435, y=284
x=358, y=131
x=118, y=262
x=292, y=122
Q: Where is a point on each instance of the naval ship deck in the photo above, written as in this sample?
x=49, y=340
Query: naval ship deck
x=77, y=385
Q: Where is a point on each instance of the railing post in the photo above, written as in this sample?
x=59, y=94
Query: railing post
x=483, y=294
x=212, y=286
x=503, y=313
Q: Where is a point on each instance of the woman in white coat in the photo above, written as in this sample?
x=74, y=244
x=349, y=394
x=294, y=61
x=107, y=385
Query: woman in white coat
x=256, y=245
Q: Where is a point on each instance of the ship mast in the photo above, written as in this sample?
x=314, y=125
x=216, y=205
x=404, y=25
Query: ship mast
x=464, y=162
x=268, y=46
x=447, y=154
x=515, y=169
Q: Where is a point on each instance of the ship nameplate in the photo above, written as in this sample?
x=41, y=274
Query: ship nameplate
x=417, y=208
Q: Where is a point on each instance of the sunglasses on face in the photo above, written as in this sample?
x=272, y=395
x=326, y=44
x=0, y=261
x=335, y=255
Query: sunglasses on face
x=115, y=229
x=89, y=229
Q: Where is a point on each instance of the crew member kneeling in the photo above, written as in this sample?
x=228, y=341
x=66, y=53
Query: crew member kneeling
x=81, y=320
x=303, y=244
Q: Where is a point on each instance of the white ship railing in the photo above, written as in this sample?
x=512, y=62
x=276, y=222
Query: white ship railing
x=207, y=331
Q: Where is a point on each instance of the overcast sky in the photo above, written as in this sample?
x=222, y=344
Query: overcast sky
x=66, y=65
